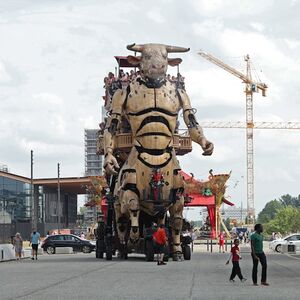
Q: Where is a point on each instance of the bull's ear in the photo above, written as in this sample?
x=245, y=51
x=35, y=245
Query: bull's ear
x=174, y=61
x=134, y=60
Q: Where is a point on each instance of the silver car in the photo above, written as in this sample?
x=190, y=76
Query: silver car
x=293, y=239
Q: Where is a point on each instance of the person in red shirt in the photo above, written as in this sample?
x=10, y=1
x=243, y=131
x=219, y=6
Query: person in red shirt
x=221, y=241
x=235, y=255
x=160, y=240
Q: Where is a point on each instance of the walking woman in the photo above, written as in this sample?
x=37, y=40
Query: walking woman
x=18, y=244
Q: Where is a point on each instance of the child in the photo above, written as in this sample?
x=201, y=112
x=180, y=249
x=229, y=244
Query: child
x=235, y=255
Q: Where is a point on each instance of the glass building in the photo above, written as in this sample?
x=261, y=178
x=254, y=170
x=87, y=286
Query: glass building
x=50, y=211
x=15, y=202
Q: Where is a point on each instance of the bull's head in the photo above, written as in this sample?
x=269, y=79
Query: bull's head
x=154, y=60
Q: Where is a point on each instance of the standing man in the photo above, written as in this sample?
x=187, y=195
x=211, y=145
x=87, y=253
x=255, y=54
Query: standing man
x=258, y=254
x=34, y=241
x=160, y=240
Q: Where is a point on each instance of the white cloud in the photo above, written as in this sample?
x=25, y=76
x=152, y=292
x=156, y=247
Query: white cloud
x=257, y=26
x=204, y=87
x=48, y=99
x=4, y=76
x=292, y=43
x=155, y=16
x=230, y=8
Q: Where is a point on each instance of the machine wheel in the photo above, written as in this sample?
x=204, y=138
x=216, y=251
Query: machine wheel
x=86, y=249
x=186, y=252
x=149, y=250
x=99, y=254
x=108, y=253
x=50, y=250
x=278, y=248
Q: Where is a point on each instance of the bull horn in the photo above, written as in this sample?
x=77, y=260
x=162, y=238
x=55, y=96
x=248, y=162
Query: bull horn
x=171, y=49
x=134, y=47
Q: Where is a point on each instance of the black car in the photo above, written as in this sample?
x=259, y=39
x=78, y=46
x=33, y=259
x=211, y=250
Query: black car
x=66, y=240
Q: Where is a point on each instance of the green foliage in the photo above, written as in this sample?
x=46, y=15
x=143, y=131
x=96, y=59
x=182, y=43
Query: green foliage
x=227, y=224
x=82, y=210
x=287, y=220
x=287, y=200
x=269, y=212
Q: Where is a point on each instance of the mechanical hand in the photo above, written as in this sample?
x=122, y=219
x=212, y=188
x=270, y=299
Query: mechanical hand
x=111, y=165
x=207, y=146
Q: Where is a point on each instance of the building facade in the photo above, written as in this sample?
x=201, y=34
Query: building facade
x=21, y=203
x=93, y=167
x=93, y=162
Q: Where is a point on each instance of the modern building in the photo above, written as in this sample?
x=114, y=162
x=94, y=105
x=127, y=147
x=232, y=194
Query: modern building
x=93, y=167
x=23, y=204
x=93, y=162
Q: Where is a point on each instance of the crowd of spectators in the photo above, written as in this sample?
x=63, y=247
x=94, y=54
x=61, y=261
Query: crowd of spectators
x=112, y=83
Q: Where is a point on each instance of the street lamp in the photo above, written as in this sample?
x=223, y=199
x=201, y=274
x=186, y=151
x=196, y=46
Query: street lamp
x=58, y=197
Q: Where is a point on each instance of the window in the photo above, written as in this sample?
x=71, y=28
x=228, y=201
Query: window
x=292, y=238
x=69, y=238
x=57, y=238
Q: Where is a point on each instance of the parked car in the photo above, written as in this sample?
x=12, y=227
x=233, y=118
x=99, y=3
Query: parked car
x=66, y=240
x=293, y=239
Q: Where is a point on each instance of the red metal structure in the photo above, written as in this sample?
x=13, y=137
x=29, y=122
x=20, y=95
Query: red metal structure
x=198, y=199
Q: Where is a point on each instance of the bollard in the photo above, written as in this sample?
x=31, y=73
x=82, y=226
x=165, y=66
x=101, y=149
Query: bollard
x=211, y=246
x=2, y=254
x=207, y=245
x=226, y=245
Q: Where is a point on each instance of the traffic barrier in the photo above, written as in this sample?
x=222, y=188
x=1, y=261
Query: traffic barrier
x=7, y=252
x=64, y=250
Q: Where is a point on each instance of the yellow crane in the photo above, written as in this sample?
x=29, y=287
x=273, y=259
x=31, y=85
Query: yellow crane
x=251, y=86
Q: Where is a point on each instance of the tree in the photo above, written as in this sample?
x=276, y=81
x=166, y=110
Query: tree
x=227, y=224
x=287, y=220
x=290, y=200
x=82, y=210
x=269, y=212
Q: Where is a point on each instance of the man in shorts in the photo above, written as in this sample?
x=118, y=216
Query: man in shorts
x=160, y=239
x=34, y=241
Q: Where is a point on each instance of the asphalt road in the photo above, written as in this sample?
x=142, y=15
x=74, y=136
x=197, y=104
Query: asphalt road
x=81, y=276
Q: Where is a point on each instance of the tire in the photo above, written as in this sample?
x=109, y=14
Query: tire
x=86, y=249
x=278, y=248
x=108, y=253
x=187, y=252
x=50, y=250
x=149, y=251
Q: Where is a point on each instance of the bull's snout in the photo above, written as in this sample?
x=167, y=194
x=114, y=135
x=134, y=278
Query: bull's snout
x=158, y=67
x=134, y=229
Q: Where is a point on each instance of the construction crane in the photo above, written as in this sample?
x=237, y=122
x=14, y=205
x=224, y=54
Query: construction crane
x=256, y=125
x=250, y=87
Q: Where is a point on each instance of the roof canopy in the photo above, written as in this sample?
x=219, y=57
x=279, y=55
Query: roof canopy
x=123, y=62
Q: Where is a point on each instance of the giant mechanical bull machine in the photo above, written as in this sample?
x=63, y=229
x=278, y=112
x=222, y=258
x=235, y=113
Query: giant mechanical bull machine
x=147, y=184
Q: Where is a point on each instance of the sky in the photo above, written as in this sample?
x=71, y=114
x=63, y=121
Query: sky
x=55, y=54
